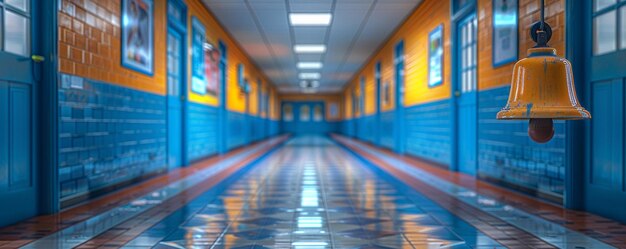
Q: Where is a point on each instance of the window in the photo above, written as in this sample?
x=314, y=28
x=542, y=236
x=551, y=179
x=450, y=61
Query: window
x=468, y=55
x=241, y=81
x=317, y=113
x=15, y=29
x=288, y=113
x=305, y=113
x=173, y=64
x=386, y=93
x=609, y=26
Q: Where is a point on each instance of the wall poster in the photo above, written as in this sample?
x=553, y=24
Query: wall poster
x=198, y=68
x=334, y=110
x=137, y=35
x=435, y=57
x=211, y=72
x=504, y=32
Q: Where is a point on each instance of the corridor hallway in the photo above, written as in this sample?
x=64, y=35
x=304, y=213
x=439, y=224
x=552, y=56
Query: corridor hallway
x=311, y=192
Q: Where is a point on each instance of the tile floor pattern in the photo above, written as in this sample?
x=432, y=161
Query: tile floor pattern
x=312, y=194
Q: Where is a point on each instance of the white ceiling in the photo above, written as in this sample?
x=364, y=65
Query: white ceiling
x=358, y=28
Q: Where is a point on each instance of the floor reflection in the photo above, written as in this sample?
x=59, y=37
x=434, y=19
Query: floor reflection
x=312, y=194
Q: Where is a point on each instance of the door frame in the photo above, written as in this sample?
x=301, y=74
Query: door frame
x=45, y=16
x=457, y=16
x=577, y=148
x=181, y=29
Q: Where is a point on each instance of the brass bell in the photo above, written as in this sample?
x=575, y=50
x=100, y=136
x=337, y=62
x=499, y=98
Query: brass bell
x=542, y=89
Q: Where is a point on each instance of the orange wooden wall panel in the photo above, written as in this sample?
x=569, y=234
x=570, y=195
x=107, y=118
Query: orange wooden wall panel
x=414, y=32
x=490, y=77
x=89, y=46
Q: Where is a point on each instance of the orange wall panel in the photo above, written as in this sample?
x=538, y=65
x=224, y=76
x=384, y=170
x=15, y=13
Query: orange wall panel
x=414, y=32
x=89, y=44
x=490, y=77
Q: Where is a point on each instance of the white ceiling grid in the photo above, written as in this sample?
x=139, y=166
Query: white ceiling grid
x=357, y=29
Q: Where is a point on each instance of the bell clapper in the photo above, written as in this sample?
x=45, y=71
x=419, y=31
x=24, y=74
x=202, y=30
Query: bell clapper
x=541, y=130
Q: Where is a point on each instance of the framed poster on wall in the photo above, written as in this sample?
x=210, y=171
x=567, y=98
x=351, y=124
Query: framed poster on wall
x=334, y=110
x=435, y=57
x=386, y=93
x=211, y=72
x=137, y=35
x=198, y=80
x=505, y=44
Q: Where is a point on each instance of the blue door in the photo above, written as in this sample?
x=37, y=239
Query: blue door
x=377, y=126
x=466, y=95
x=175, y=83
x=303, y=118
x=605, y=186
x=175, y=97
x=399, y=98
x=18, y=84
x=355, y=117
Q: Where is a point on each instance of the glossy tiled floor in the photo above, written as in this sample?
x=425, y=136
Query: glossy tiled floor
x=312, y=194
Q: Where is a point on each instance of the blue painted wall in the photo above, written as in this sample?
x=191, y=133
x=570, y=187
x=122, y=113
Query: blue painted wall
x=107, y=134
x=201, y=132
x=427, y=131
x=299, y=127
x=387, y=129
x=508, y=156
x=237, y=130
x=366, y=128
x=110, y=134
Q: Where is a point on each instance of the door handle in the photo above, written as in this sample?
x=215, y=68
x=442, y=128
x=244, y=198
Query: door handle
x=38, y=58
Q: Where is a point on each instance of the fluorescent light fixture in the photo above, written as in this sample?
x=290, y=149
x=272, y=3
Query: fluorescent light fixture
x=309, y=65
x=310, y=19
x=310, y=76
x=310, y=48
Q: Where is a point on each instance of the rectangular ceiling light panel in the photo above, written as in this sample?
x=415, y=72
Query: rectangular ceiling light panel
x=309, y=65
x=310, y=19
x=309, y=48
x=310, y=76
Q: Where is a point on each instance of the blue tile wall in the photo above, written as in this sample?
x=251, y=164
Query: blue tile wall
x=505, y=153
x=366, y=128
x=310, y=127
x=347, y=127
x=257, y=129
x=237, y=130
x=427, y=131
x=107, y=134
x=387, y=129
x=201, y=132
x=274, y=127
